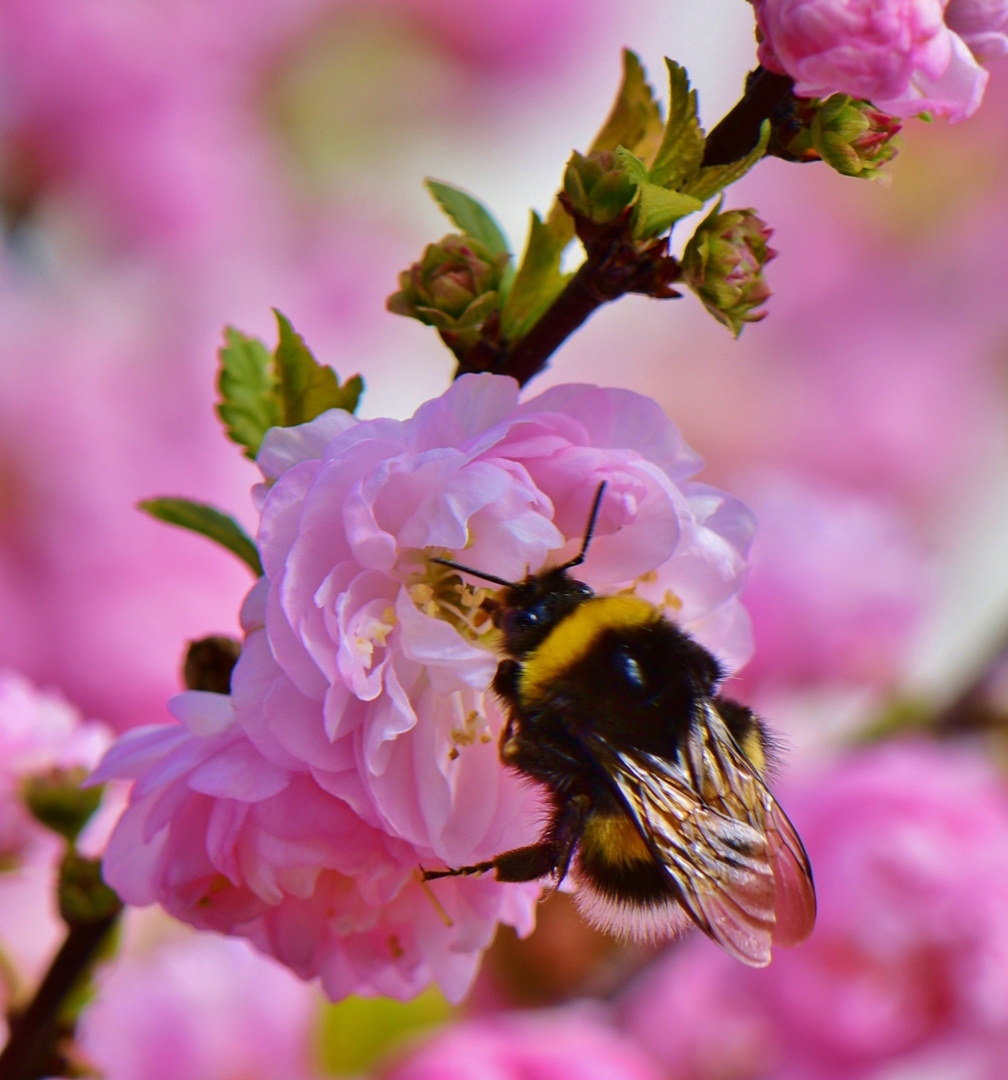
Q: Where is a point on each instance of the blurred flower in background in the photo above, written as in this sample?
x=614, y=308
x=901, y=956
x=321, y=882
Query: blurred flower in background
x=201, y=1006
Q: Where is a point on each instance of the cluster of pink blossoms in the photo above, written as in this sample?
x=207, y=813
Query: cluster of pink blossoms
x=359, y=740
x=905, y=56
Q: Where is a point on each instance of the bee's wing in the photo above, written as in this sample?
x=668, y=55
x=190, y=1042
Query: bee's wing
x=710, y=821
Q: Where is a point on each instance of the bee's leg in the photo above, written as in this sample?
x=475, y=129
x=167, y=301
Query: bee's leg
x=550, y=857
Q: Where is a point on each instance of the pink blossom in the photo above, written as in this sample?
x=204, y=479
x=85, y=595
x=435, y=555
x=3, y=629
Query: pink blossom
x=39, y=732
x=359, y=739
x=837, y=585
x=982, y=24
x=570, y=1044
x=907, y=970
x=905, y=56
x=201, y=1007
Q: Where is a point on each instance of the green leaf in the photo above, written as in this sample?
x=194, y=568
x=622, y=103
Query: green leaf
x=709, y=181
x=635, y=168
x=207, y=521
x=635, y=121
x=537, y=283
x=306, y=388
x=470, y=215
x=248, y=405
x=657, y=210
x=682, y=145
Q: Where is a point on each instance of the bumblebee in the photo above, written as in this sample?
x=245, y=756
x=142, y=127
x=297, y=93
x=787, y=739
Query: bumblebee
x=658, y=811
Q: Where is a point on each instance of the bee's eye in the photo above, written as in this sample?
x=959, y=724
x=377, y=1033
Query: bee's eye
x=519, y=620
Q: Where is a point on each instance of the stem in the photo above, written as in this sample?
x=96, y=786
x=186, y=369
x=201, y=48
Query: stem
x=738, y=132
x=595, y=282
x=30, y=1045
x=569, y=311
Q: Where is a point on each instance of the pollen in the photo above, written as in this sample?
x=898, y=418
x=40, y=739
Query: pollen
x=671, y=601
x=472, y=728
x=441, y=593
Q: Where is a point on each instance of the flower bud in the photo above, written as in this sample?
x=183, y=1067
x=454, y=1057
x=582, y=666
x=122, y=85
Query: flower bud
x=56, y=800
x=83, y=895
x=597, y=187
x=454, y=287
x=723, y=264
x=854, y=137
x=209, y=663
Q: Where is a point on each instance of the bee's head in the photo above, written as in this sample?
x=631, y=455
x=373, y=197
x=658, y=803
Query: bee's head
x=527, y=611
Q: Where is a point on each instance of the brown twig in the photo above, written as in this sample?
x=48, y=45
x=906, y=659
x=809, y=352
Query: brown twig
x=28, y=1050
x=738, y=132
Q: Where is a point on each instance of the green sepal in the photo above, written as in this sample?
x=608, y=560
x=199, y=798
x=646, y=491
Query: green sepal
x=82, y=893
x=306, y=388
x=538, y=281
x=56, y=800
x=248, y=405
x=633, y=165
x=682, y=145
x=657, y=210
x=208, y=521
x=714, y=178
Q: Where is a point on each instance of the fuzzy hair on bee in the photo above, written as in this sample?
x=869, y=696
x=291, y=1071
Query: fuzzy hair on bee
x=658, y=810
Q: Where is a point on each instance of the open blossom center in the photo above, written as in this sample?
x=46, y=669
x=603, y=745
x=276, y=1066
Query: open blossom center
x=440, y=593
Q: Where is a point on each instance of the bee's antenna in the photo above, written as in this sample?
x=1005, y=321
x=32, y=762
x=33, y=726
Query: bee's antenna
x=475, y=573
x=589, y=529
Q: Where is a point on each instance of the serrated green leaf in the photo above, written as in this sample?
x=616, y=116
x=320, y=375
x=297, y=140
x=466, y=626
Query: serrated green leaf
x=635, y=120
x=658, y=209
x=714, y=178
x=306, y=388
x=207, y=521
x=682, y=145
x=470, y=215
x=537, y=283
x=248, y=405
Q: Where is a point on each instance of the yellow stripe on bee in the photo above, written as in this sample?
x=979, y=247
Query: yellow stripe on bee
x=752, y=746
x=572, y=638
x=614, y=840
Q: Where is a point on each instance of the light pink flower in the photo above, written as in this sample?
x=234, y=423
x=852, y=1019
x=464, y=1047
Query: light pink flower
x=359, y=740
x=905, y=56
x=837, y=584
x=569, y=1044
x=202, y=1007
x=982, y=24
x=39, y=732
x=907, y=970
